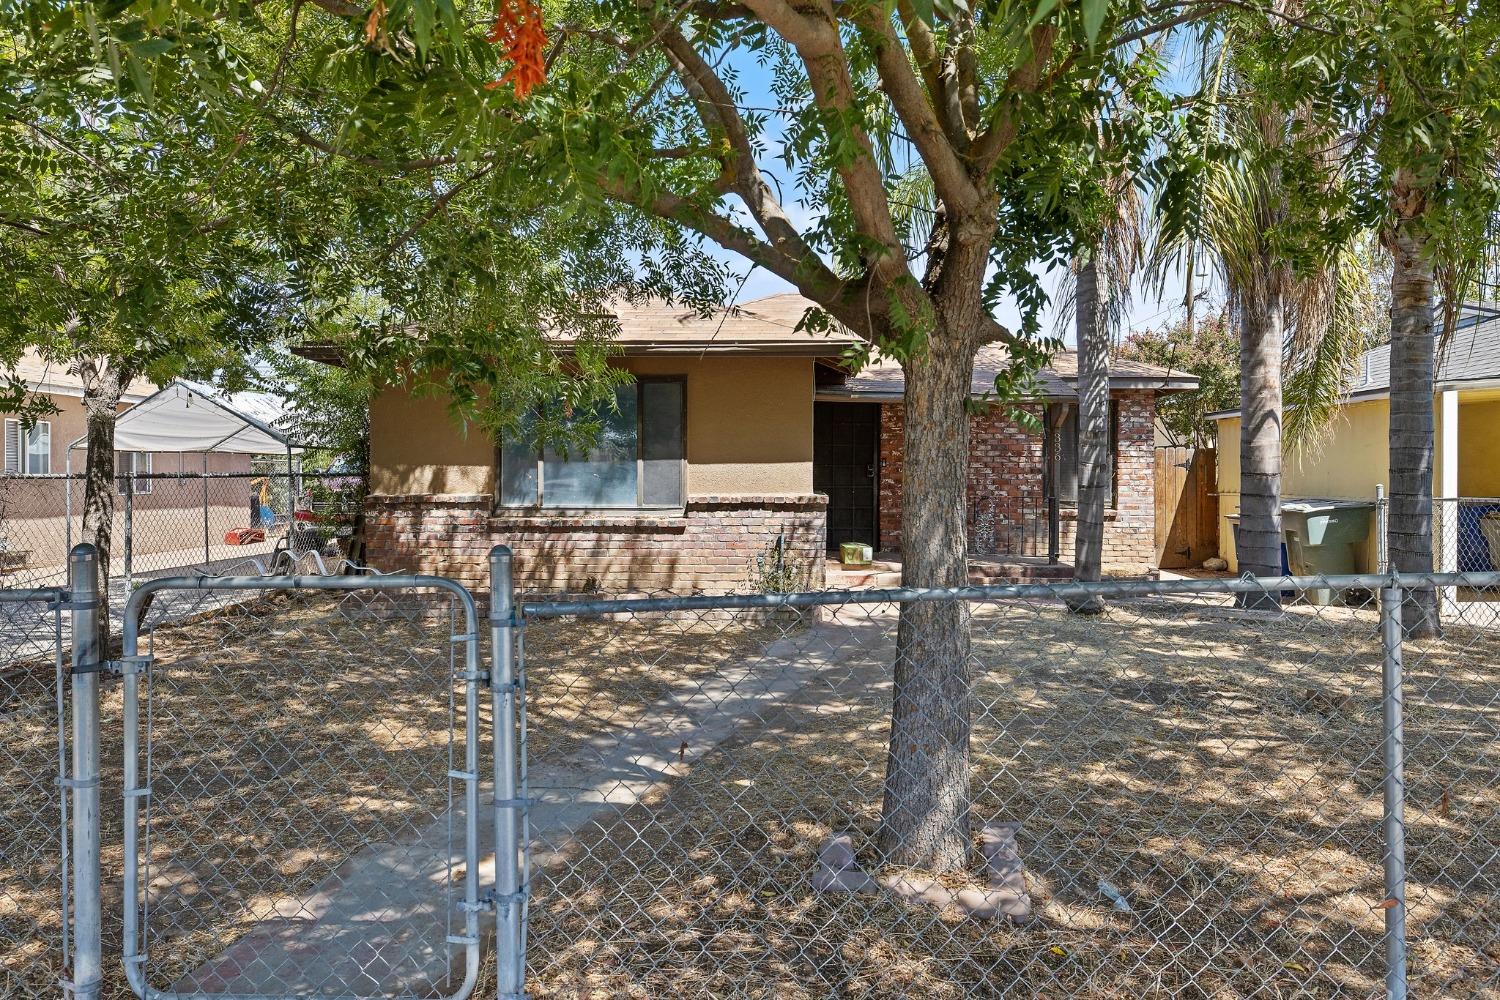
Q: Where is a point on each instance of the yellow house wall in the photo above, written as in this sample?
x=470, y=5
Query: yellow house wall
x=1354, y=459
x=1350, y=462
x=417, y=447
x=749, y=432
x=1479, y=448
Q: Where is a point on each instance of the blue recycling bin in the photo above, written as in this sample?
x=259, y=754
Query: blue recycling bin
x=1474, y=554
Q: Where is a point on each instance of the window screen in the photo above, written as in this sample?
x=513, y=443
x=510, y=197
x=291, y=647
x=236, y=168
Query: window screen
x=39, y=448
x=131, y=466
x=636, y=461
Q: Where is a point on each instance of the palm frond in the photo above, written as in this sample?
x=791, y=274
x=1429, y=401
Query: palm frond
x=1333, y=316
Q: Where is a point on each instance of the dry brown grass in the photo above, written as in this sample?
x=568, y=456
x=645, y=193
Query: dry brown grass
x=287, y=734
x=1222, y=770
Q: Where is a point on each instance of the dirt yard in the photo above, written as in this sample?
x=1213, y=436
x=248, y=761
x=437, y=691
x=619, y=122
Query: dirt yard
x=1221, y=770
x=287, y=733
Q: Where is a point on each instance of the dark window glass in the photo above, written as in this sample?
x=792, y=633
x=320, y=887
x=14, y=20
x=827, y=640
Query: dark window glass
x=1062, y=440
x=636, y=461
x=662, y=408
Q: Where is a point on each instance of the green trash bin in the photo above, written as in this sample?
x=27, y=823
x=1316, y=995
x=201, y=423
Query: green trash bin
x=1320, y=537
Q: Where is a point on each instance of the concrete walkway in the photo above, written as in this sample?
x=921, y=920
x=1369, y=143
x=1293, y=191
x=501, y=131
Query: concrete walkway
x=379, y=925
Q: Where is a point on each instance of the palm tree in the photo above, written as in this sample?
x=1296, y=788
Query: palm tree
x=1288, y=318
x=1097, y=297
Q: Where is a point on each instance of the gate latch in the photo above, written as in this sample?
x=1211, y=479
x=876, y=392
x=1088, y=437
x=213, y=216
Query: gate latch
x=124, y=666
x=129, y=666
x=484, y=904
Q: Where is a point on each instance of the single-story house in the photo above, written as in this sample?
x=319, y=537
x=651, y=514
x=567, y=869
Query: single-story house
x=161, y=436
x=740, y=436
x=1352, y=461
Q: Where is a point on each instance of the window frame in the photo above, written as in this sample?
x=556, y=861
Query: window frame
x=138, y=486
x=23, y=447
x=539, y=505
x=1050, y=450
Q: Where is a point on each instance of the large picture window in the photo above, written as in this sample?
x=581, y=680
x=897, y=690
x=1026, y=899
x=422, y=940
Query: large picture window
x=636, y=461
x=1062, y=449
x=28, y=448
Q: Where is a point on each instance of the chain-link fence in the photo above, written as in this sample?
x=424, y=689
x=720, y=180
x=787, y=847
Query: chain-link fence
x=33, y=858
x=172, y=522
x=301, y=789
x=280, y=786
x=1174, y=797
x=274, y=790
x=1466, y=534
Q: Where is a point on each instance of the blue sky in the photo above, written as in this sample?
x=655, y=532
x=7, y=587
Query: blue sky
x=1146, y=307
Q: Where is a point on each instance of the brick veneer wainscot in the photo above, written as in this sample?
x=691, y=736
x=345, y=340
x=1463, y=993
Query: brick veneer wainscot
x=710, y=546
x=1006, y=467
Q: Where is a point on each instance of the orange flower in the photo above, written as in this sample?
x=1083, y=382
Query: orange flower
x=519, y=31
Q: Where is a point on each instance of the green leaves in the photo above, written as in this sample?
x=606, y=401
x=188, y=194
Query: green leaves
x=1093, y=18
x=1092, y=14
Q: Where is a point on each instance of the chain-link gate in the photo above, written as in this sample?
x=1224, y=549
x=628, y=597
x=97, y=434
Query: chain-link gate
x=1216, y=788
x=34, y=772
x=301, y=787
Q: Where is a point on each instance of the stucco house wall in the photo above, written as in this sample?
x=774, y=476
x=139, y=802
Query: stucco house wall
x=166, y=518
x=1353, y=458
x=748, y=430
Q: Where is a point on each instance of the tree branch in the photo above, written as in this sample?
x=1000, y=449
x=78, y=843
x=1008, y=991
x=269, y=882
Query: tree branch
x=438, y=204
x=1025, y=77
x=926, y=132
x=808, y=274
x=425, y=163
x=716, y=104
x=929, y=61
x=817, y=43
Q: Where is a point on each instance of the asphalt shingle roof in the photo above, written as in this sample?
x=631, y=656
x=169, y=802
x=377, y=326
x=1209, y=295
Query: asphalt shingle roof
x=1472, y=354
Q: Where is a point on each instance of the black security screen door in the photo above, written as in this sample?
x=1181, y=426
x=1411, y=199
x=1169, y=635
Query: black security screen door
x=846, y=467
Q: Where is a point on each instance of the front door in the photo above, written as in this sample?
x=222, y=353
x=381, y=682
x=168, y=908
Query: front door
x=846, y=467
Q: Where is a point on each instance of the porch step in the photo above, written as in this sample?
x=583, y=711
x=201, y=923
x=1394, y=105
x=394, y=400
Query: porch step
x=886, y=573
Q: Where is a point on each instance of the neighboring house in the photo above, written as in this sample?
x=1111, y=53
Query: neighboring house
x=740, y=437
x=35, y=494
x=1352, y=459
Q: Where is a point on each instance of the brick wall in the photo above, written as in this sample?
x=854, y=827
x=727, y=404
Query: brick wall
x=710, y=546
x=1006, y=493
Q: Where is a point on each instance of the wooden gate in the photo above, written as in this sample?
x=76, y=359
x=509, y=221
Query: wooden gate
x=1187, y=507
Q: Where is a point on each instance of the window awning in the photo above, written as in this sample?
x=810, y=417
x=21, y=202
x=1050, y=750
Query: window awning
x=183, y=417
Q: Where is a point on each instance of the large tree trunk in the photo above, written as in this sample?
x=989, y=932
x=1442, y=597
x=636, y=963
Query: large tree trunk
x=103, y=388
x=1258, y=543
x=1413, y=351
x=1093, y=431
x=925, y=819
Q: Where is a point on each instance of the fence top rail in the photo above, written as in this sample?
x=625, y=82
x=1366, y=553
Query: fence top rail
x=993, y=592
x=133, y=606
x=34, y=595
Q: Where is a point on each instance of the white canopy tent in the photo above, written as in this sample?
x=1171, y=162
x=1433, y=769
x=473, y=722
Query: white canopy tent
x=182, y=417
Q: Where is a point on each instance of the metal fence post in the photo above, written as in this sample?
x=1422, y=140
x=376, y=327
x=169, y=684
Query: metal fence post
x=1382, y=560
x=83, y=587
x=1395, y=793
x=129, y=526
x=205, y=508
x=505, y=690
